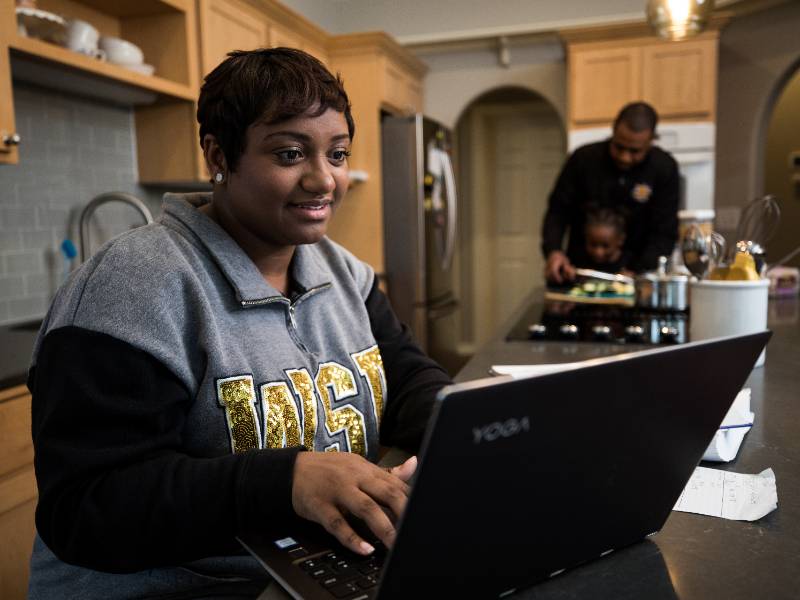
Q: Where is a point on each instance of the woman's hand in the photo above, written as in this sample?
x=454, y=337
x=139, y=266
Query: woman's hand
x=329, y=485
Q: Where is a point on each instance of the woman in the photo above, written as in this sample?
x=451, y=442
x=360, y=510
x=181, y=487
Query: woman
x=182, y=371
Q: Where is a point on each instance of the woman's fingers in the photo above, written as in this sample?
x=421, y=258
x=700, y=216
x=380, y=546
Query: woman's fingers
x=334, y=522
x=406, y=470
x=389, y=494
x=326, y=486
x=364, y=507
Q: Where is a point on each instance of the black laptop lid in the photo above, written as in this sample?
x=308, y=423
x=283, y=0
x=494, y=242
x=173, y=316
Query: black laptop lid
x=520, y=479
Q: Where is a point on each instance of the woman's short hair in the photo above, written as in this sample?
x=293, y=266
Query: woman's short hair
x=269, y=85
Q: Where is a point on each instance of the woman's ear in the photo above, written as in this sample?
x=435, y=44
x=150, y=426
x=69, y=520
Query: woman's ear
x=215, y=159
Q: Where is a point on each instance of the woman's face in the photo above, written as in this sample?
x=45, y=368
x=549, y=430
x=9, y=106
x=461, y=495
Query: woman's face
x=289, y=180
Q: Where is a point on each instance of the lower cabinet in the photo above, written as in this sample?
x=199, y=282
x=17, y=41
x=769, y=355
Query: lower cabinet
x=17, y=492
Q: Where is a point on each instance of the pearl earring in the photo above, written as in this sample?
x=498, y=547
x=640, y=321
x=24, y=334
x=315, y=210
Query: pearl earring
x=219, y=177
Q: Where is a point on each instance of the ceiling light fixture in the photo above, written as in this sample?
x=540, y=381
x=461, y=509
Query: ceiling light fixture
x=678, y=19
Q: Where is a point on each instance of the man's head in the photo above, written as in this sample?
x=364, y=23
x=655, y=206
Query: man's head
x=634, y=132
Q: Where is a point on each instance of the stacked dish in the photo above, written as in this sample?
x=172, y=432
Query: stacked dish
x=125, y=54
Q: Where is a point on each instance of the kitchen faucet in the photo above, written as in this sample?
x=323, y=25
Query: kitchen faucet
x=97, y=201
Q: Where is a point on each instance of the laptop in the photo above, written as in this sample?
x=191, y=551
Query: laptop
x=521, y=479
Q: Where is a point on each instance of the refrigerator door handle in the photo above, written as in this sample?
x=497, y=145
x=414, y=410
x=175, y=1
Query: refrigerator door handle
x=450, y=194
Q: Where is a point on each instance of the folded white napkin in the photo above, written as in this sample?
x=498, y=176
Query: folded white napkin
x=738, y=421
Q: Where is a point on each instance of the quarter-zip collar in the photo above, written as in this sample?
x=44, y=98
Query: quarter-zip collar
x=307, y=269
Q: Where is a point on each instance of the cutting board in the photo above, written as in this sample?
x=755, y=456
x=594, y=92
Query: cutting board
x=564, y=296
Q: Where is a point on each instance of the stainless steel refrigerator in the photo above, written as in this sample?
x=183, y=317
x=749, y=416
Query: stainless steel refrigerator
x=420, y=204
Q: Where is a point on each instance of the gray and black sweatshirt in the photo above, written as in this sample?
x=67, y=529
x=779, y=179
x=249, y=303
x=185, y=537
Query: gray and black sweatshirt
x=172, y=389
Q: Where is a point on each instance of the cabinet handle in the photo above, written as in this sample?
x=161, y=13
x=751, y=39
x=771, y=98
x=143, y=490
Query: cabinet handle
x=11, y=139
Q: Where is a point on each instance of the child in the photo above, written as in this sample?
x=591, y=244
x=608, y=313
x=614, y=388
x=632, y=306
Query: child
x=604, y=231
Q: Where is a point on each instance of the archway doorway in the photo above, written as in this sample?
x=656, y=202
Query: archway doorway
x=782, y=167
x=511, y=145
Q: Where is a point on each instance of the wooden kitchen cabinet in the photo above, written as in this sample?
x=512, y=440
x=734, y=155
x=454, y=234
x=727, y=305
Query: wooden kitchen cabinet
x=380, y=77
x=8, y=141
x=601, y=81
x=678, y=78
x=402, y=88
x=227, y=25
x=165, y=30
x=17, y=492
x=282, y=36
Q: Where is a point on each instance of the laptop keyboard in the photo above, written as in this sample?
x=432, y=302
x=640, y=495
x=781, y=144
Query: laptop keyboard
x=345, y=574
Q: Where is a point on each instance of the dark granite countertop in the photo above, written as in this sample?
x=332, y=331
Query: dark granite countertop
x=16, y=347
x=696, y=557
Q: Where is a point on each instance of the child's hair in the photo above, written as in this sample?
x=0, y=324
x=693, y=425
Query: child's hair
x=603, y=215
x=269, y=85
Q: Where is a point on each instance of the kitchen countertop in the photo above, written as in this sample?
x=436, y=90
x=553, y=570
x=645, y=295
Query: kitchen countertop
x=693, y=557
x=16, y=347
x=697, y=557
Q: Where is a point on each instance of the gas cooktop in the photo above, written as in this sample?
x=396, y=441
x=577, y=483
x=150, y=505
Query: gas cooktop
x=564, y=321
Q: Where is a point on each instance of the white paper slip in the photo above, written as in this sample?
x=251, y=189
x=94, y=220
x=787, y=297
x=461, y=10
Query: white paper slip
x=729, y=495
x=735, y=425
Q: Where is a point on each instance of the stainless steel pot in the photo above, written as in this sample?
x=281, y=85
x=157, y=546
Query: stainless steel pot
x=661, y=290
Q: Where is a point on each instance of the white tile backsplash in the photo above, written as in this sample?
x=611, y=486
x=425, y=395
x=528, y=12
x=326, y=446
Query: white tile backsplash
x=72, y=150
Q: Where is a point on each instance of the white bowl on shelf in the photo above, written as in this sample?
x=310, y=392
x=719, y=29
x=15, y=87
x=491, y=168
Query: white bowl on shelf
x=121, y=52
x=143, y=68
x=40, y=24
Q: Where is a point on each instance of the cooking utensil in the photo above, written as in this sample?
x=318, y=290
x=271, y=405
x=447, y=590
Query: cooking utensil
x=592, y=274
x=716, y=249
x=757, y=224
x=661, y=290
x=694, y=249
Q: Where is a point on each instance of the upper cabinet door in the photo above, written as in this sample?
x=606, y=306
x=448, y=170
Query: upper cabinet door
x=679, y=78
x=8, y=135
x=227, y=25
x=402, y=91
x=281, y=36
x=601, y=81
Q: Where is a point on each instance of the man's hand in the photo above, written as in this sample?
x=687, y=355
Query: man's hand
x=558, y=268
x=329, y=485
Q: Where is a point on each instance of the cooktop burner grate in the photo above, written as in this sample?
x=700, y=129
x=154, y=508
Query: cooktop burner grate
x=564, y=321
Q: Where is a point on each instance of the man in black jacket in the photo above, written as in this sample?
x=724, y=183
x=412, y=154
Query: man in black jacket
x=626, y=173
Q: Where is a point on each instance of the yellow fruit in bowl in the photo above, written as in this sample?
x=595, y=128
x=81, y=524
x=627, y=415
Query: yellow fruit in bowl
x=743, y=268
x=718, y=274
